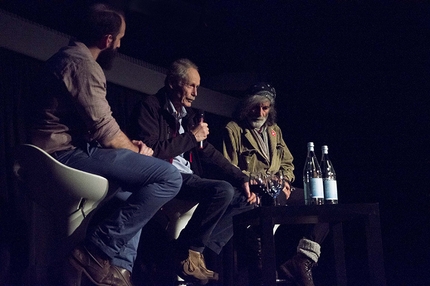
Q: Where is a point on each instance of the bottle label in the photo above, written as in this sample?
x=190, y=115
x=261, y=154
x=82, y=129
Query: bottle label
x=330, y=189
x=316, y=188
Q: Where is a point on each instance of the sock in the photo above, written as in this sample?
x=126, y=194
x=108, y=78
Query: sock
x=310, y=249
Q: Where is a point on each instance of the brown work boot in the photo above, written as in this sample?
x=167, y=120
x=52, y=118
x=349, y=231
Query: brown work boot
x=95, y=267
x=189, y=269
x=299, y=270
x=119, y=276
x=212, y=275
x=98, y=268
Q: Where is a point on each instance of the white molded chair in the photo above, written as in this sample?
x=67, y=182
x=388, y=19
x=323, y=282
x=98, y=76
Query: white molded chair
x=178, y=213
x=63, y=199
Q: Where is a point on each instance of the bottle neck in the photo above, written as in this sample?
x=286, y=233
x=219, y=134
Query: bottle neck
x=324, y=149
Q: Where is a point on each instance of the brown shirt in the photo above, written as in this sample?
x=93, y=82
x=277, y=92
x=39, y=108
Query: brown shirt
x=70, y=106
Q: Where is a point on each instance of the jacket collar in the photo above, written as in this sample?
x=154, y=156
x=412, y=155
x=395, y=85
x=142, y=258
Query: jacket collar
x=271, y=138
x=164, y=102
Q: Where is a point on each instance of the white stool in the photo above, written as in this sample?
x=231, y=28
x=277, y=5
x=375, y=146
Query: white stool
x=178, y=213
x=62, y=201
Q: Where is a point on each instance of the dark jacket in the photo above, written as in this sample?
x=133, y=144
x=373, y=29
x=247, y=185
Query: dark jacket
x=152, y=123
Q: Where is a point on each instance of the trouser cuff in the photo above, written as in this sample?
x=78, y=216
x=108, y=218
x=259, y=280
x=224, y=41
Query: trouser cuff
x=215, y=247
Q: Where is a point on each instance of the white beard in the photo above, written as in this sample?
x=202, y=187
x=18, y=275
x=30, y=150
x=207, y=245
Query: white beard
x=257, y=122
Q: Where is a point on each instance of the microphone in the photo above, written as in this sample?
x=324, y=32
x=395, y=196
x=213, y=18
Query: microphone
x=202, y=117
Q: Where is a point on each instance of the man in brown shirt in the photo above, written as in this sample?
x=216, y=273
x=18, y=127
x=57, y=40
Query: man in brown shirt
x=72, y=120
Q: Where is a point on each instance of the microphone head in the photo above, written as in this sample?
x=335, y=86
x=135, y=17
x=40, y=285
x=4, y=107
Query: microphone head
x=201, y=113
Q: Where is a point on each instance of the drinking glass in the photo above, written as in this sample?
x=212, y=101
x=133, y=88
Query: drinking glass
x=275, y=183
x=258, y=184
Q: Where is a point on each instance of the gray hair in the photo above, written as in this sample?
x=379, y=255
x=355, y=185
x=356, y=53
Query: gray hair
x=245, y=106
x=177, y=73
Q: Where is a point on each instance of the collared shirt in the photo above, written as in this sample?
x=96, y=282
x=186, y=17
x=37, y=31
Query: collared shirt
x=71, y=105
x=182, y=164
x=260, y=135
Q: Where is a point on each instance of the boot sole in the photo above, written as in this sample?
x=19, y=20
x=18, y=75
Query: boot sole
x=192, y=279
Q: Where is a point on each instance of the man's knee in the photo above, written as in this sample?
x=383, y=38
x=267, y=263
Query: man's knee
x=226, y=189
x=171, y=178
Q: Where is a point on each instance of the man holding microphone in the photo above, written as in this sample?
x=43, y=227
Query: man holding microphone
x=167, y=124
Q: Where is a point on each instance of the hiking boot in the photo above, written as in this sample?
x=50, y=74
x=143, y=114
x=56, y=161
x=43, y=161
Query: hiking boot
x=299, y=270
x=95, y=266
x=211, y=275
x=189, y=269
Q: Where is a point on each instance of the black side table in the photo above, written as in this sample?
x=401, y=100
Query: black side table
x=267, y=217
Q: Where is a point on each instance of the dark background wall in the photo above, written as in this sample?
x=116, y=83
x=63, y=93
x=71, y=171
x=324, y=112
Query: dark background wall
x=350, y=74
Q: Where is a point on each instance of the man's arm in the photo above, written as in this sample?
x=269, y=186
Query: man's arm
x=230, y=145
x=218, y=159
x=122, y=141
x=286, y=159
x=230, y=170
x=151, y=128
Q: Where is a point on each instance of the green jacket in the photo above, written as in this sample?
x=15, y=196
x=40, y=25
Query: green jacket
x=241, y=148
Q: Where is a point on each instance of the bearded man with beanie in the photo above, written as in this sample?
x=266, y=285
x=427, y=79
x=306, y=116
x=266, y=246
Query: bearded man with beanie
x=253, y=142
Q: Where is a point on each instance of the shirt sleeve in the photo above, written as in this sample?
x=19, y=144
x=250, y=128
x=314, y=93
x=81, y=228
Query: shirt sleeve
x=87, y=85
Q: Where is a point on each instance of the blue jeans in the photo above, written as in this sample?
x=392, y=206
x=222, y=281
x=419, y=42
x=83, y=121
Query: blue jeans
x=151, y=183
x=211, y=224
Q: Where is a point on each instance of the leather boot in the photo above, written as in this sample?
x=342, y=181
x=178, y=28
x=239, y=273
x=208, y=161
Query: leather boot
x=299, y=270
x=212, y=275
x=97, y=268
x=189, y=269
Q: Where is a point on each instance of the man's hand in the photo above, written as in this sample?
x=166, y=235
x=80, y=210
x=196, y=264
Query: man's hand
x=287, y=190
x=252, y=197
x=143, y=149
x=201, y=131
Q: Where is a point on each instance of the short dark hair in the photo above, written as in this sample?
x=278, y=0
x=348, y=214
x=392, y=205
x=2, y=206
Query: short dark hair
x=177, y=73
x=98, y=21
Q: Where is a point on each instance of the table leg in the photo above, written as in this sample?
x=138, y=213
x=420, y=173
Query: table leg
x=374, y=249
x=339, y=254
x=268, y=251
x=239, y=233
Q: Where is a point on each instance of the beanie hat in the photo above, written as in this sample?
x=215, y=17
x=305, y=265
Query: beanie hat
x=263, y=89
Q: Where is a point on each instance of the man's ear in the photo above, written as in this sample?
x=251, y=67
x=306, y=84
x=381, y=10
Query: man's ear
x=106, y=41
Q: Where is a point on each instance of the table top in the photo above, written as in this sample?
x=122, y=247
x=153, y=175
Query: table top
x=309, y=213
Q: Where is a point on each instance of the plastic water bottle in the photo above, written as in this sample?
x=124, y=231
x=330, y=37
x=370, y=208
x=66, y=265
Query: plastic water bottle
x=329, y=178
x=312, y=179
